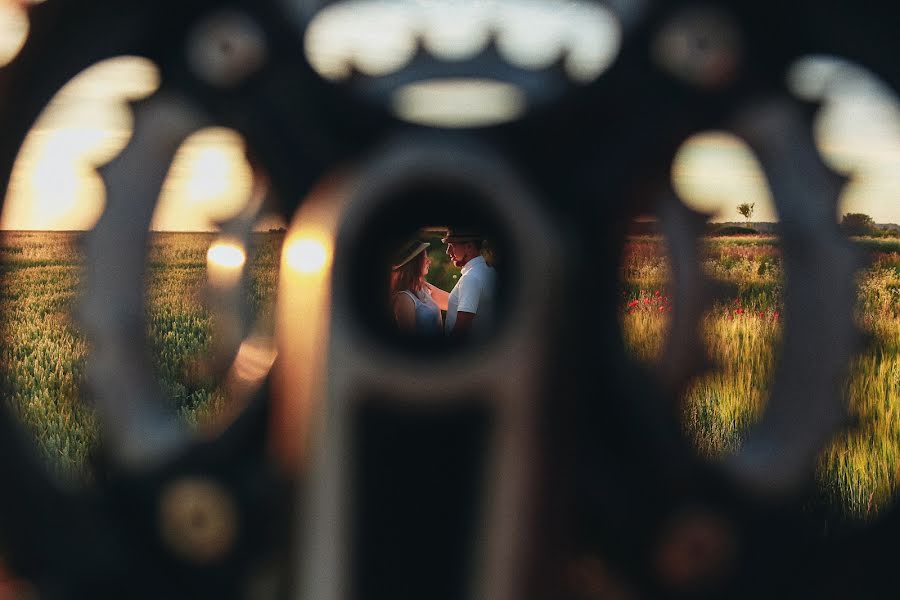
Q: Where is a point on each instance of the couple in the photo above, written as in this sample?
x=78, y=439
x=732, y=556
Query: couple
x=417, y=304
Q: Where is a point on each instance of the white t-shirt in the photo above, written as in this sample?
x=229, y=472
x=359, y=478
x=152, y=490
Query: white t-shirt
x=473, y=293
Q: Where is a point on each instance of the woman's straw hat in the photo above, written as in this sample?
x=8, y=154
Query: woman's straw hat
x=459, y=236
x=409, y=252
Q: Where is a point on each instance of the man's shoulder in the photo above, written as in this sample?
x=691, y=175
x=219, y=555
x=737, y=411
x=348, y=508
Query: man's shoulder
x=474, y=275
x=479, y=267
x=482, y=272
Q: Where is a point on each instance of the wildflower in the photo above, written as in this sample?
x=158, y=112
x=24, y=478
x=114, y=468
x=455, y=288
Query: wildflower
x=657, y=293
x=646, y=300
x=632, y=304
x=739, y=311
x=661, y=307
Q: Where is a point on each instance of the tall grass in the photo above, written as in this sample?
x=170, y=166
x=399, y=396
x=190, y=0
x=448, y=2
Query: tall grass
x=858, y=472
x=42, y=358
x=43, y=354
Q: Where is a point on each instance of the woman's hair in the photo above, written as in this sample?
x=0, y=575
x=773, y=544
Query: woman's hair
x=409, y=276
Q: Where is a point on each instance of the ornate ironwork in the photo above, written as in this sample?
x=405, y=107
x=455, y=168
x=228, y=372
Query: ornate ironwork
x=504, y=470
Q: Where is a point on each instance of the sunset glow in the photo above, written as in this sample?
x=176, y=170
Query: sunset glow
x=857, y=131
x=715, y=171
x=55, y=184
x=209, y=181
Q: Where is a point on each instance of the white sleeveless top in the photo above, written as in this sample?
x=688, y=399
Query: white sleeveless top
x=428, y=315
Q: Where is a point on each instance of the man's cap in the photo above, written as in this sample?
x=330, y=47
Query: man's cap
x=461, y=235
x=409, y=251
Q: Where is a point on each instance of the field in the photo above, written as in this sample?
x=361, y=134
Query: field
x=43, y=355
x=860, y=471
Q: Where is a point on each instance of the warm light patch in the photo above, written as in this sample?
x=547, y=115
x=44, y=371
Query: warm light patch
x=54, y=184
x=714, y=172
x=459, y=102
x=226, y=254
x=254, y=359
x=857, y=131
x=13, y=30
x=224, y=263
x=378, y=36
x=306, y=255
x=209, y=181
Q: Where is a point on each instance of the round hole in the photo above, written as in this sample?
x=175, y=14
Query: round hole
x=468, y=260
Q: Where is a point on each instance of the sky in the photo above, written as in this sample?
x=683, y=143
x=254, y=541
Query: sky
x=55, y=185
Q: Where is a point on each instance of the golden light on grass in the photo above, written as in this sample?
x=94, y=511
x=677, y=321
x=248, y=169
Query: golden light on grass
x=306, y=254
x=224, y=262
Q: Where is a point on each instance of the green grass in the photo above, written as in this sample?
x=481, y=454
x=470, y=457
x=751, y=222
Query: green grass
x=42, y=360
x=860, y=471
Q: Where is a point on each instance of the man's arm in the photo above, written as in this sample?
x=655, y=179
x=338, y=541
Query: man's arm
x=469, y=298
x=463, y=324
x=440, y=297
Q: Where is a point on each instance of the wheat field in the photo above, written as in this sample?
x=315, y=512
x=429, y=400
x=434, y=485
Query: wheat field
x=42, y=359
x=858, y=473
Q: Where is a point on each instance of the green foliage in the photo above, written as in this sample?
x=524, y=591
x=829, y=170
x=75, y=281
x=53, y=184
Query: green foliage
x=746, y=209
x=43, y=358
x=857, y=224
x=442, y=273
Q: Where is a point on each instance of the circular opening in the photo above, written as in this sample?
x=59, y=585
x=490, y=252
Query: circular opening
x=432, y=270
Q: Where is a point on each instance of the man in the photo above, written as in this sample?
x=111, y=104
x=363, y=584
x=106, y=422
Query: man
x=470, y=305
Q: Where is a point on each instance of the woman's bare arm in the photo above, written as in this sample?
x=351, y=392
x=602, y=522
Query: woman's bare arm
x=440, y=297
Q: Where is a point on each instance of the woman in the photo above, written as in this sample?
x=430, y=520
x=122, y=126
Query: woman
x=414, y=310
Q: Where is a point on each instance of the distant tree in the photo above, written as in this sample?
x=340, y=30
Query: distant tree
x=857, y=224
x=746, y=209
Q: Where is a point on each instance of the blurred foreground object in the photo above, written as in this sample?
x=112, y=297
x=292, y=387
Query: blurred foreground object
x=538, y=463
